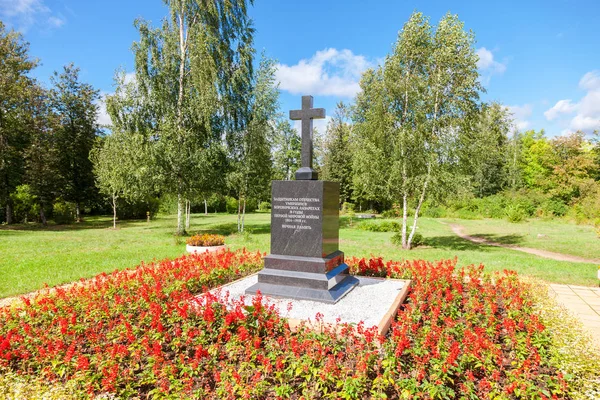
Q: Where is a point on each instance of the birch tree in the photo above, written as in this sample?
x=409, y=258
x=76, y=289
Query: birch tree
x=192, y=81
x=251, y=149
x=411, y=109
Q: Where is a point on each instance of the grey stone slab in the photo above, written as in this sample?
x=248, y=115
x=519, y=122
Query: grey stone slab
x=304, y=218
x=305, y=264
x=324, y=281
x=330, y=296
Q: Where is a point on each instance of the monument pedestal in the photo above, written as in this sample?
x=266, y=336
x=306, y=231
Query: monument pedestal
x=305, y=262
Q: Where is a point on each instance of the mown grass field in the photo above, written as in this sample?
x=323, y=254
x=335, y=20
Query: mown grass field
x=32, y=255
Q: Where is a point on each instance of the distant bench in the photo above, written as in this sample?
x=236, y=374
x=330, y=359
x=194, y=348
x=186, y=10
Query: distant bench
x=365, y=216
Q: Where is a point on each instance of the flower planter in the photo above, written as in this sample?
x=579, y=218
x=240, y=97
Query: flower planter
x=203, y=249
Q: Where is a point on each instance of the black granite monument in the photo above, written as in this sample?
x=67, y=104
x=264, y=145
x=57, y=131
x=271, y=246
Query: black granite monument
x=305, y=262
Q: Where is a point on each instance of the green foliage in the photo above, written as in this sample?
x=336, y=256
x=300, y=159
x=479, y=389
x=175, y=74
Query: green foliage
x=553, y=208
x=16, y=114
x=379, y=226
x=486, y=153
x=337, y=162
x=75, y=104
x=516, y=213
x=418, y=239
x=408, y=110
x=137, y=209
x=64, y=212
x=286, y=152
x=264, y=206
x=217, y=203
x=188, y=93
x=232, y=205
x=25, y=204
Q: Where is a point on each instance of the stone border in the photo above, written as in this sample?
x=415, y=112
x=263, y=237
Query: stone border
x=384, y=324
x=203, y=249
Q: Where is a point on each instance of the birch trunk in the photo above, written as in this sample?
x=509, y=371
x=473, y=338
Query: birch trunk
x=404, y=202
x=187, y=214
x=239, y=215
x=244, y=214
x=114, y=204
x=205, y=207
x=421, y=199
x=180, y=229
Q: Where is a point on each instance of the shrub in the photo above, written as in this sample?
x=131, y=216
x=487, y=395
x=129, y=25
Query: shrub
x=388, y=214
x=264, y=206
x=417, y=239
x=379, y=226
x=231, y=205
x=216, y=203
x=25, y=204
x=515, y=214
x=206, y=240
x=63, y=212
x=137, y=209
x=552, y=208
x=435, y=212
x=467, y=213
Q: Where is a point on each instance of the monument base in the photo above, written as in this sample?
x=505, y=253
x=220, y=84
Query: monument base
x=303, y=278
x=330, y=296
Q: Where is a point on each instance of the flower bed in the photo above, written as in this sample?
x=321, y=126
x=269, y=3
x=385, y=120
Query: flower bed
x=139, y=333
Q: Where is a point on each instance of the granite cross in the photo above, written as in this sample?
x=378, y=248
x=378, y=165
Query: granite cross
x=306, y=115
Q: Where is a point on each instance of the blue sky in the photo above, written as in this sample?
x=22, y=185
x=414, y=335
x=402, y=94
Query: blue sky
x=540, y=58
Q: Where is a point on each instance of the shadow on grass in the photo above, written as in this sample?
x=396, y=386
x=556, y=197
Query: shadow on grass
x=231, y=228
x=84, y=224
x=509, y=240
x=452, y=242
x=457, y=243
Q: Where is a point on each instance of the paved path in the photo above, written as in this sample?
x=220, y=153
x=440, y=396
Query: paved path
x=459, y=231
x=583, y=302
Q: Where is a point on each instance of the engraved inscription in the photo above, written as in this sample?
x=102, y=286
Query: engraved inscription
x=296, y=213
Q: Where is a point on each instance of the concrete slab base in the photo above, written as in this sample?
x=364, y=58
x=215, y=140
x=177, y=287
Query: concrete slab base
x=374, y=301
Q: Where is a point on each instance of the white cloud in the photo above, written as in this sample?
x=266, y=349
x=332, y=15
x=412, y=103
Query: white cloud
x=25, y=13
x=487, y=65
x=56, y=22
x=590, y=81
x=329, y=72
x=587, y=110
x=561, y=107
x=102, y=117
x=319, y=124
x=520, y=115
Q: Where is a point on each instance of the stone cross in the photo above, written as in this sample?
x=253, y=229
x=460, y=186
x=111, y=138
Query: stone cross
x=306, y=115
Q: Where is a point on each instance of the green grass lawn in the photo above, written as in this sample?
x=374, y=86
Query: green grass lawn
x=552, y=235
x=33, y=255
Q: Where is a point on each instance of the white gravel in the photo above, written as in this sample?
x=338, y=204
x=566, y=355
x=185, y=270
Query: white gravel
x=367, y=302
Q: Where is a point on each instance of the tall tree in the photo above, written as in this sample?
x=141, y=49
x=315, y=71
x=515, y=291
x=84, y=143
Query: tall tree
x=192, y=79
x=15, y=94
x=119, y=169
x=74, y=102
x=428, y=86
x=287, y=148
x=486, y=156
x=252, y=148
x=42, y=157
x=337, y=162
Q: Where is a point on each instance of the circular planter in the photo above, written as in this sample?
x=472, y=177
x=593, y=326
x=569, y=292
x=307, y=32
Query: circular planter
x=203, y=249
